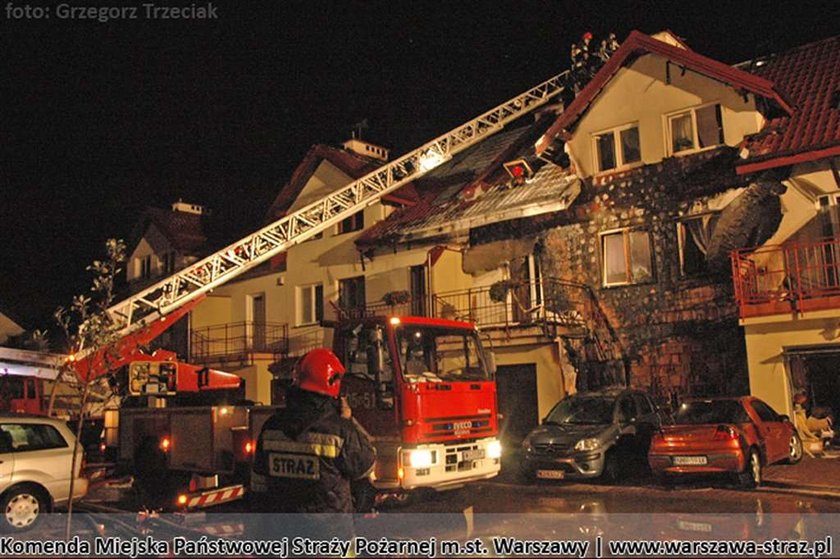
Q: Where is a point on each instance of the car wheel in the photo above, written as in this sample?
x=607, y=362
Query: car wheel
x=751, y=476
x=22, y=508
x=794, y=449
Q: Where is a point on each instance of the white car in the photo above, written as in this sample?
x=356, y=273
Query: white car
x=35, y=458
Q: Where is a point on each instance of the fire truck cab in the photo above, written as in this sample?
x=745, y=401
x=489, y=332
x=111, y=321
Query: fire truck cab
x=425, y=391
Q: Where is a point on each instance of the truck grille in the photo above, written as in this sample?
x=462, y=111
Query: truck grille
x=460, y=426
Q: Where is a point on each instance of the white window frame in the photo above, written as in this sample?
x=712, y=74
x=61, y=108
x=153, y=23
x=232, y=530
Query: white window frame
x=300, y=319
x=619, y=153
x=695, y=137
x=625, y=231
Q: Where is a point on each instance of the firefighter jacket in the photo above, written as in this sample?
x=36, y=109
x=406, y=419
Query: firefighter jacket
x=306, y=457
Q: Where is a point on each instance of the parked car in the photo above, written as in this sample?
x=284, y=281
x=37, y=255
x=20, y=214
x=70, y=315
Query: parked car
x=738, y=436
x=590, y=435
x=35, y=459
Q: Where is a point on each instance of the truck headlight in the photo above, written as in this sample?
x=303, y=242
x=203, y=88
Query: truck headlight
x=494, y=450
x=420, y=458
x=587, y=444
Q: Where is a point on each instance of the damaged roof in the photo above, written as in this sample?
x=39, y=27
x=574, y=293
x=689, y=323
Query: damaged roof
x=810, y=76
x=459, y=195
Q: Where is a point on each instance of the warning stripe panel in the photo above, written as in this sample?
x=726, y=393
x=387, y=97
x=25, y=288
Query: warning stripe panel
x=215, y=497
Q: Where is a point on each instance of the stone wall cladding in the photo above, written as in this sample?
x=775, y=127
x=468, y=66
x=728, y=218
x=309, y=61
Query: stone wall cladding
x=680, y=336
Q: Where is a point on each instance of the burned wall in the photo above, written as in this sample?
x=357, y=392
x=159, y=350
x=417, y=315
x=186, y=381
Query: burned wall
x=679, y=335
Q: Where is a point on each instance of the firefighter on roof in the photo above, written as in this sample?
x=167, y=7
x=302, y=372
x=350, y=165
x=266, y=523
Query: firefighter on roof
x=308, y=453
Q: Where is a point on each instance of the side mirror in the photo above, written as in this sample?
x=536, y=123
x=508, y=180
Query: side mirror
x=491, y=363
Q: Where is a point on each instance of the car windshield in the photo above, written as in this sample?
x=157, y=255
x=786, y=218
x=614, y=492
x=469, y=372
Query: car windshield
x=709, y=412
x=438, y=354
x=582, y=410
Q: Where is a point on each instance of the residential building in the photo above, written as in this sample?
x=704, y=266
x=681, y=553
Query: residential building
x=161, y=242
x=787, y=288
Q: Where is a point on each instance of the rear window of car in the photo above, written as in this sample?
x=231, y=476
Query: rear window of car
x=704, y=412
x=24, y=437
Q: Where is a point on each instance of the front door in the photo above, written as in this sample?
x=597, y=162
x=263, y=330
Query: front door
x=516, y=389
x=258, y=322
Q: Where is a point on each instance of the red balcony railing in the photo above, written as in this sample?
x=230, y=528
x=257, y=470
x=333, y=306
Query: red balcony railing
x=238, y=341
x=784, y=279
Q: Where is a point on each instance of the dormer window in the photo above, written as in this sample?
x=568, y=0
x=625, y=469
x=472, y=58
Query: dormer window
x=695, y=129
x=617, y=148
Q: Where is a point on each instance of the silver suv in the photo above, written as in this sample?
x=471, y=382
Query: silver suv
x=35, y=458
x=591, y=434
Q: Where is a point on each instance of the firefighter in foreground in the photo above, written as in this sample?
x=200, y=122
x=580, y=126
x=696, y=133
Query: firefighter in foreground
x=309, y=452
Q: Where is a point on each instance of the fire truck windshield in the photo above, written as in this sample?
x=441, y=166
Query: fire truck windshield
x=434, y=354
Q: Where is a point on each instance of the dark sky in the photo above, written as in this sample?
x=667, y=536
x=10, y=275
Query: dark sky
x=98, y=120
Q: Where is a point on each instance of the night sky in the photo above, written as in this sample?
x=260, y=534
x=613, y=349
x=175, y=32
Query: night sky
x=98, y=120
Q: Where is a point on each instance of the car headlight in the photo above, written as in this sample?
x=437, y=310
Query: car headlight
x=587, y=444
x=494, y=450
x=420, y=458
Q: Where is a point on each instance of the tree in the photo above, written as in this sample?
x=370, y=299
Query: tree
x=89, y=330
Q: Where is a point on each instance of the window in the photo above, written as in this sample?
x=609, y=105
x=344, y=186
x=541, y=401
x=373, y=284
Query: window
x=764, y=411
x=32, y=436
x=144, y=267
x=693, y=235
x=695, y=129
x=310, y=304
x=351, y=293
x=355, y=222
x=626, y=257
x=617, y=148
x=168, y=261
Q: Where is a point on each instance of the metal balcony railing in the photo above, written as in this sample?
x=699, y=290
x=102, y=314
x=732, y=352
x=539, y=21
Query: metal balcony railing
x=519, y=304
x=238, y=341
x=784, y=279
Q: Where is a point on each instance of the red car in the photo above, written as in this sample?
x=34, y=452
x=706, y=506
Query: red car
x=724, y=435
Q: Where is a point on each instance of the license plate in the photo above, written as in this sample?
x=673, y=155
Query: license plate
x=690, y=461
x=293, y=465
x=475, y=454
x=551, y=474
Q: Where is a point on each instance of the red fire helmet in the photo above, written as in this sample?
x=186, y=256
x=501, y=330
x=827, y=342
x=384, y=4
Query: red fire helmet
x=587, y=35
x=319, y=371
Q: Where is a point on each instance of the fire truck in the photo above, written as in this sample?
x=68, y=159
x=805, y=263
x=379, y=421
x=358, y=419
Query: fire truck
x=423, y=388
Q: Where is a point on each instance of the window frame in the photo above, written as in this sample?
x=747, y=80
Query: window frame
x=317, y=312
x=342, y=286
x=695, y=132
x=350, y=224
x=626, y=232
x=618, y=152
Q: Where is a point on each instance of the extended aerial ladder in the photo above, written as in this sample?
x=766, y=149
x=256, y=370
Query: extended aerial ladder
x=143, y=308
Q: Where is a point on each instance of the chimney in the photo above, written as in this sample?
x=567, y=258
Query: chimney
x=186, y=207
x=366, y=149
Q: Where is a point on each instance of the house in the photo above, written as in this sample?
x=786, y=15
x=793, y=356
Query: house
x=787, y=288
x=161, y=242
x=257, y=320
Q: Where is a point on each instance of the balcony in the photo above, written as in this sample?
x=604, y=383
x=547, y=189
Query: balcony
x=239, y=342
x=787, y=279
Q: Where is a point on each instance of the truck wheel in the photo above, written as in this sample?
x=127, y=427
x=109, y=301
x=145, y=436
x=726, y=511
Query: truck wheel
x=22, y=507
